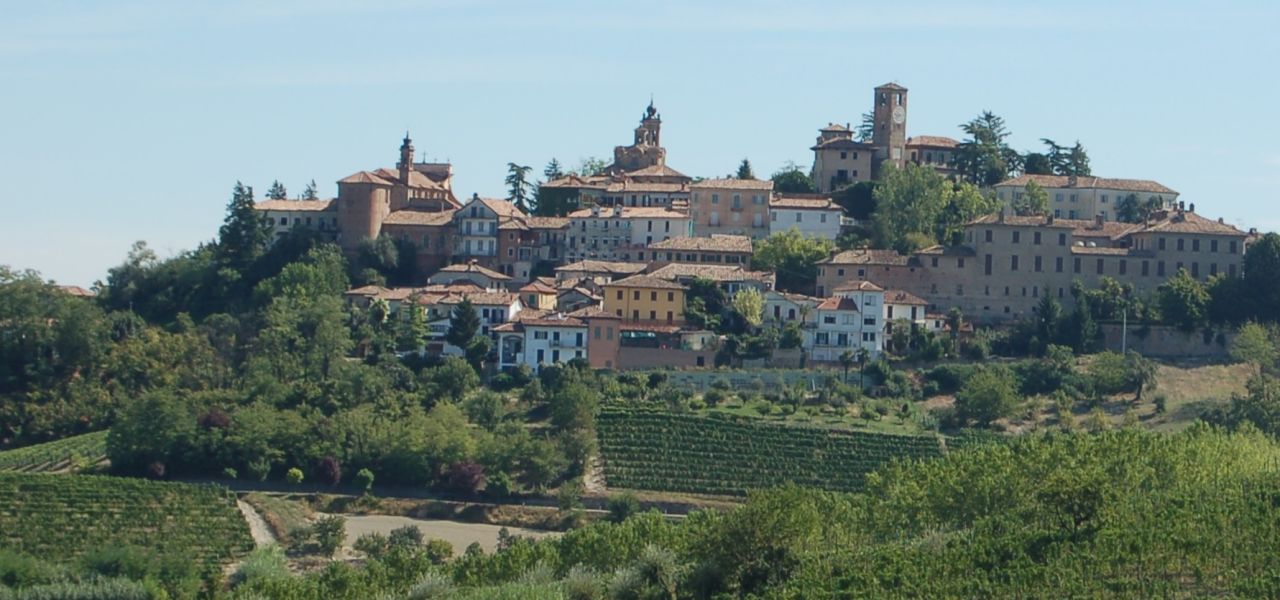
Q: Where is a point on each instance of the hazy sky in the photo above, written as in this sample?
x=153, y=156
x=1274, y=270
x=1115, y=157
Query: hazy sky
x=130, y=121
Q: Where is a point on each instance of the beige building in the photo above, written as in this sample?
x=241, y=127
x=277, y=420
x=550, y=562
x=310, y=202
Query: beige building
x=620, y=232
x=839, y=159
x=812, y=216
x=284, y=215
x=645, y=298
x=1087, y=197
x=731, y=206
x=715, y=249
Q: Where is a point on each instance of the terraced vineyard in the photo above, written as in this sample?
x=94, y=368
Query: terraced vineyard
x=67, y=454
x=647, y=449
x=60, y=517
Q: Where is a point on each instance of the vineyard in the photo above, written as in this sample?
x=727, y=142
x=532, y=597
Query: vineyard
x=60, y=517
x=67, y=454
x=653, y=450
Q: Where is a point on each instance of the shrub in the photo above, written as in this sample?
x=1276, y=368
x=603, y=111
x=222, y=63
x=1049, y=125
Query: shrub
x=715, y=396
x=230, y=473
x=438, y=551
x=499, y=485
x=569, y=496
x=408, y=536
x=364, y=480
x=293, y=476
x=328, y=533
x=948, y=379
x=1110, y=374
x=987, y=396
x=373, y=544
x=623, y=506
x=466, y=477
x=331, y=470
x=1161, y=404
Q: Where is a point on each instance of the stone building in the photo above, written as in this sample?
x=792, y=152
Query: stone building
x=731, y=206
x=620, y=232
x=716, y=249
x=1087, y=197
x=811, y=215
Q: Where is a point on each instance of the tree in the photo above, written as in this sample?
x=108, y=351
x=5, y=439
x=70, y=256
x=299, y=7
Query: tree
x=277, y=191
x=963, y=202
x=464, y=324
x=1254, y=345
x=553, y=170
x=988, y=395
x=1067, y=161
x=310, y=192
x=790, y=179
x=519, y=189
x=984, y=158
x=1142, y=374
x=1034, y=200
x=1035, y=163
x=955, y=320
x=591, y=166
x=749, y=304
x=857, y=200
x=793, y=257
x=1047, y=315
x=847, y=358
x=1262, y=278
x=866, y=127
x=1183, y=301
x=909, y=201
x=744, y=170
x=244, y=234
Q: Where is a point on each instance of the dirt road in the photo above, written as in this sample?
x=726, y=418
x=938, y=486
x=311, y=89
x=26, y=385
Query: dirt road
x=460, y=535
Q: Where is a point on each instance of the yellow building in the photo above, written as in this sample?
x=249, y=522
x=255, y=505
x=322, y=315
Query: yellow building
x=645, y=298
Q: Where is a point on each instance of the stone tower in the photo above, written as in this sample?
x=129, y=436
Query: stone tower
x=650, y=129
x=890, y=135
x=647, y=150
x=405, y=166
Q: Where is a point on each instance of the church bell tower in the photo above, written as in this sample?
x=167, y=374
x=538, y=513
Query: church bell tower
x=890, y=119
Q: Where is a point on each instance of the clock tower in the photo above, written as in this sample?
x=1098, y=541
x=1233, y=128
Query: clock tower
x=890, y=119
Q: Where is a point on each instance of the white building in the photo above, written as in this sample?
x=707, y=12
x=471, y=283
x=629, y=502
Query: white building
x=812, y=216
x=1087, y=197
x=284, y=215
x=848, y=321
x=621, y=232
x=783, y=308
x=493, y=308
x=541, y=339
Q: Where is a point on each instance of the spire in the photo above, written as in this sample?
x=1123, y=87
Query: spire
x=651, y=112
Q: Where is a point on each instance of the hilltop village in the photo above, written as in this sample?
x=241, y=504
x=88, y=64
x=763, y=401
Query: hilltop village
x=623, y=266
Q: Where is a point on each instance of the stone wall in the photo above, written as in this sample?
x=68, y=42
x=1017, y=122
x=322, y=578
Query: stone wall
x=1170, y=342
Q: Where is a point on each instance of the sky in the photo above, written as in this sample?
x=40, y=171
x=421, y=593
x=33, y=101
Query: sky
x=133, y=120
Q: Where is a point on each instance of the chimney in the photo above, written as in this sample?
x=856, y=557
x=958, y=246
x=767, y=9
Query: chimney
x=1071, y=180
x=1220, y=220
x=1097, y=221
x=1048, y=219
x=1001, y=217
x=1182, y=205
x=1191, y=207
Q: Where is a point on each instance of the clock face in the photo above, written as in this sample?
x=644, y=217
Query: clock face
x=899, y=115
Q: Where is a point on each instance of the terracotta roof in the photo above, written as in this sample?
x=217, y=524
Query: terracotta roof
x=364, y=177
x=653, y=327
x=416, y=180
x=630, y=212
x=940, y=250
x=77, y=291
x=578, y=181
x=547, y=222
x=419, y=217
x=593, y=312
x=675, y=271
x=834, y=127
x=480, y=298
x=538, y=287
x=935, y=141
x=509, y=224
x=379, y=292
x=500, y=207
x=1022, y=221
x=838, y=303
x=1099, y=250
x=628, y=185
x=1108, y=229
x=473, y=267
x=554, y=319
x=866, y=257
x=456, y=287
x=804, y=203
x=1189, y=222
x=717, y=243
x=901, y=297
x=734, y=184
x=656, y=171
x=1089, y=182
x=858, y=285
x=603, y=266
x=298, y=205
x=842, y=144
x=645, y=281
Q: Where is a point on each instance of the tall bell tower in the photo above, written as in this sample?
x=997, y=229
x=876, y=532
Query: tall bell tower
x=890, y=119
x=406, y=158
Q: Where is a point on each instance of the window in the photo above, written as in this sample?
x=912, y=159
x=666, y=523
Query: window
x=988, y=235
x=1017, y=237
x=1160, y=243
x=960, y=263
x=1103, y=199
x=635, y=295
x=1213, y=245
x=933, y=262
x=1124, y=266
x=987, y=267
x=1062, y=238
x=1037, y=264
x=1146, y=268
x=1057, y=197
x=1195, y=270
x=1181, y=244
x=1160, y=268
x=671, y=296
x=1075, y=266
x=844, y=155
x=1013, y=263
x=822, y=217
x=1057, y=265
x=1099, y=266
x=539, y=335
x=1231, y=248
x=1195, y=245
x=1035, y=238
x=773, y=216
x=869, y=321
x=653, y=296
x=653, y=315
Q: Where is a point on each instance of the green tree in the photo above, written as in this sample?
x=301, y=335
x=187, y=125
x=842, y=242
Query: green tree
x=791, y=179
x=847, y=358
x=1034, y=200
x=464, y=324
x=277, y=191
x=591, y=166
x=1035, y=163
x=311, y=192
x=553, y=170
x=984, y=158
x=909, y=201
x=857, y=200
x=1262, y=278
x=1072, y=160
x=963, y=202
x=1142, y=374
x=244, y=234
x=1046, y=318
x=412, y=328
x=1254, y=345
x=1183, y=301
x=793, y=257
x=519, y=189
x=866, y=127
x=744, y=170
x=988, y=395
x=749, y=304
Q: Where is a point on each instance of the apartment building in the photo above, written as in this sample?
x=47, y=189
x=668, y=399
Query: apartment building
x=850, y=320
x=645, y=298
x=1087, y=197
x=811, y=215
x=621, y=232
x=716, y=249
x=730, y=206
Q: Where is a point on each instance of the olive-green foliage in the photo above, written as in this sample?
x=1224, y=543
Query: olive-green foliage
x=987, y=395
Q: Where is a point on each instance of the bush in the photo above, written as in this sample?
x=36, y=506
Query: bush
x=1110, y=373
x=988, y=395
x=409, y=537
x=569, y=496
x=364, y=480
x=623, y=506
x=373, y=544
x=230, y=473
x=328, y=533
x=438, y=551
x=466, y=477
x=331, y=470
x=499, y=485
x=715, y=397
x=948, y=379
x=294, y=476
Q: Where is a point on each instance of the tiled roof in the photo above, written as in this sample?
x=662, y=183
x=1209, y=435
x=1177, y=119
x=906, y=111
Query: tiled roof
x=645, y=281
x=364, y=177
x=838, y=303
x=416, y=180
x=547, y=222
x=1108, y=229
x=842, y=144
x=628, y=185
x=734, y=184
x=940, y=250
x=456, y=287
x=717, y=243
x=480, y=298
x=936, y=141
x=419, y=217
x=77, y=291
x=603, y=266
x=578, y=181
x=379, y=292
x=298, y=205
x=901, y=297
x=653, y=327
x=593, y=312
x=834, y=127
x=1087, y=250
x=803, y=202
x=538, y=287
x=1189, y=222
x=473, y=267
x=867, y=257
x=1022, y=221
x=713, y=272
x=858, y=285
x=656, y=171
x=1089, y=182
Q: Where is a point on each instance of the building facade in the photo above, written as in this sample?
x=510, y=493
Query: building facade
x=812, y=217
x=730, y=206
x=1087, y=197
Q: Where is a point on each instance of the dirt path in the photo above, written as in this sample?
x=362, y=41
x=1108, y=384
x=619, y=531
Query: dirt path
x=257, y=526
x=593, y=478
x=460, y=535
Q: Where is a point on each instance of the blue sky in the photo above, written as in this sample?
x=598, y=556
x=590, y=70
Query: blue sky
x=130, y=121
